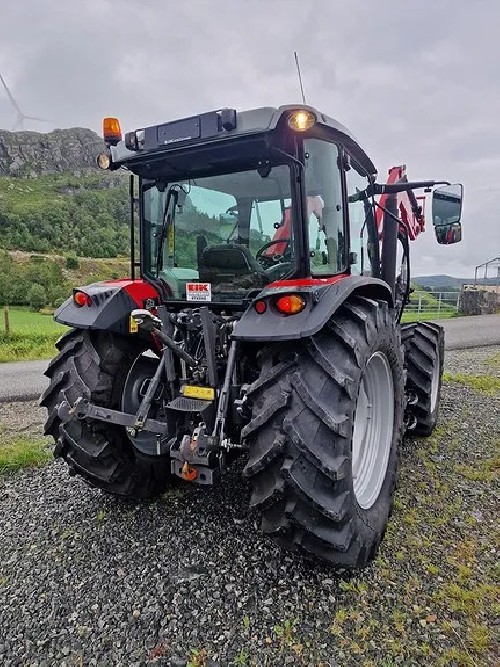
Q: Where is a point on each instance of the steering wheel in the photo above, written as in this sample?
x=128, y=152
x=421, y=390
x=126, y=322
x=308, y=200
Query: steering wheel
x=265, y=261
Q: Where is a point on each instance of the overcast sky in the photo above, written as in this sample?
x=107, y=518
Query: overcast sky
x=416, y=82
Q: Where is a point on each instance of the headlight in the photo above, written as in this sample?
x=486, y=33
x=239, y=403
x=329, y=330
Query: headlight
x=103, y=161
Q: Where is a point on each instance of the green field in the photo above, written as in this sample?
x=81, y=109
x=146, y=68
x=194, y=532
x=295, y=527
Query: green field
x=24, y=321
x=429, y=316
x=32, y=335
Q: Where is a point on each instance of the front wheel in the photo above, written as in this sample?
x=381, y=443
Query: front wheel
x=424, y=360
x=327, y=420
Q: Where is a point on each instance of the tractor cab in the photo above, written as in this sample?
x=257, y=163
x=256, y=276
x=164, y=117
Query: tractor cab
x=231, y=203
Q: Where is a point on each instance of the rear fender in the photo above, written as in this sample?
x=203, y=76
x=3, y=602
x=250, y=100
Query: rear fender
x=112, y=303
x=322, y=300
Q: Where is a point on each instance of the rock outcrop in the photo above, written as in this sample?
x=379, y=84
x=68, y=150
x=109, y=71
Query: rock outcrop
x=31, y=154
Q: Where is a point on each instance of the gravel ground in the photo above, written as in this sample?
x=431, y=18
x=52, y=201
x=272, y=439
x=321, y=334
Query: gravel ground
x=478, y=361
x=86, y=579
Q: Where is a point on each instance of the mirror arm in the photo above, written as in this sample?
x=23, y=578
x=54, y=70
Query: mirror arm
x=393, y=188
x=410, y=185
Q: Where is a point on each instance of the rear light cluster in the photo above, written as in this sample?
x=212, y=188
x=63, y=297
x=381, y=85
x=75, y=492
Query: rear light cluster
x=81, y=299
x=290, y=304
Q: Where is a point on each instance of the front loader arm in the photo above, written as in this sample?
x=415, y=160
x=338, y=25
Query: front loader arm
x=411, y=213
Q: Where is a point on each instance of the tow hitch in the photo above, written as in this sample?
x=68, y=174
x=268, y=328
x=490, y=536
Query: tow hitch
x=197, y=458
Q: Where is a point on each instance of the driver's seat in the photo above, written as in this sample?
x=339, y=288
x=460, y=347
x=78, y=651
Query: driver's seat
x=224, y=262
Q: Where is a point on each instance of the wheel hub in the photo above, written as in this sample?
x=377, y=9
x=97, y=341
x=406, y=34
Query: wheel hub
x=136, y=384
x=373, y=430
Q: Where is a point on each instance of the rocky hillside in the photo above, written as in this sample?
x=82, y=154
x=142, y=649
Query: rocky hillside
x=31, y=154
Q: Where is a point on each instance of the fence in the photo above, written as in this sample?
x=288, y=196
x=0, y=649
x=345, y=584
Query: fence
x=432, y=305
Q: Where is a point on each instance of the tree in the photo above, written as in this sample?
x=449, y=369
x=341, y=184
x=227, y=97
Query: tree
x=37, y=297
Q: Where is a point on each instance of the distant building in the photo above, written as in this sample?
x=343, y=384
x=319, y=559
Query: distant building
x=482, y=288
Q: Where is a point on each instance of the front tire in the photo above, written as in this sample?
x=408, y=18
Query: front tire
x=307, y=441
x=94, y=364
x=424, y=359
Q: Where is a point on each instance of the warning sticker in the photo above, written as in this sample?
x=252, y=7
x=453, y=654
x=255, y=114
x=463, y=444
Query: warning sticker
x=198, y=292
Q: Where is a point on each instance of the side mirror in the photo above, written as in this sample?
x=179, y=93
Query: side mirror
x=447, y=234
x=446, y=213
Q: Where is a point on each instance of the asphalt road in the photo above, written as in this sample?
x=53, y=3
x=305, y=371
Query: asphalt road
x=24, y=380
x=475, y=331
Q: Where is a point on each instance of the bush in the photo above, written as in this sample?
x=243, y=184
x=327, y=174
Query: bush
x=72, y=262
x=37, y=297
x=58, y=294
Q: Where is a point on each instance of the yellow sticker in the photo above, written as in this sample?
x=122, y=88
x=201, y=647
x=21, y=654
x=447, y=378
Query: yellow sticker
x=133, y=325
x=205, y=393
x=171, y=241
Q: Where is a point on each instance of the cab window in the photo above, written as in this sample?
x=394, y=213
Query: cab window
x=324, y=207
x=358, y=212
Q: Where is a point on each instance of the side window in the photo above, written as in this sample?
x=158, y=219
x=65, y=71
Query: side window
x=324, y=207
x=154, y=202
x=356, y=182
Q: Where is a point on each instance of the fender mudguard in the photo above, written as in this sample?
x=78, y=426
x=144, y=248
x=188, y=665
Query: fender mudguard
x=322, y=300
x=111, y=303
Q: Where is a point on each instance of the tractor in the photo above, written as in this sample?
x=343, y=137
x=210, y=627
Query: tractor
x=261, y=319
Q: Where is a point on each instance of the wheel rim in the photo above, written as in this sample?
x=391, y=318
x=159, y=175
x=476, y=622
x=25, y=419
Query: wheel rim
x=434, y=385
x=373, y=430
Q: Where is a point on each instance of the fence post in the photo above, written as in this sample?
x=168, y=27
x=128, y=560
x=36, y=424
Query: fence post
x=419, y=303
x=439, y=303
x=6, y=319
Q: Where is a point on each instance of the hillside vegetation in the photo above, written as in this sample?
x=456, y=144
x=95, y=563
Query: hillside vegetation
x=51, y=276
x=31, y=282
x=87, y=215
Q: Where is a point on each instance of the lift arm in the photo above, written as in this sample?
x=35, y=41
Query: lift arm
x=411, y=212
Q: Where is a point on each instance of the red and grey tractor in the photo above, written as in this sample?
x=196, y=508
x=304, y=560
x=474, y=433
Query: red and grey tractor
x=265, y=323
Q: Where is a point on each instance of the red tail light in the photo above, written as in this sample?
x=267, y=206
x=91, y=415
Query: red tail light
x=290, y=304
x=81, y=299
x=260, y=307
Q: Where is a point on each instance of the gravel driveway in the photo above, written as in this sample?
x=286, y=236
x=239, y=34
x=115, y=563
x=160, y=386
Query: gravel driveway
x=87, y=579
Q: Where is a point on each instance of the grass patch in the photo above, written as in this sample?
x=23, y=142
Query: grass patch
x=23, y=453
x=18, y=347
x=427, y=316
x=493, y=361
x=32, y=336
x=26, y=322
x=483, y=470
x=484, y=384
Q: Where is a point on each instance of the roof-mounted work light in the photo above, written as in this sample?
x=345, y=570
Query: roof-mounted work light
x=301, y=120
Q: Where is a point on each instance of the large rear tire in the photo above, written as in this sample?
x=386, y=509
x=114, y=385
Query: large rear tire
x=424, y=360
x=95, y=365
x=327, y=420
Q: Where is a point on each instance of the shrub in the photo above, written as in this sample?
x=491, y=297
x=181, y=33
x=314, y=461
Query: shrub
x=72, y=262
x=37, y=297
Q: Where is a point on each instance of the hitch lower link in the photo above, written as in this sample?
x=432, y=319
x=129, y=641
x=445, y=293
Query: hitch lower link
x=197, y=458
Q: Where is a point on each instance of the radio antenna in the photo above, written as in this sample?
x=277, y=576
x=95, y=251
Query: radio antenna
x=300, y=77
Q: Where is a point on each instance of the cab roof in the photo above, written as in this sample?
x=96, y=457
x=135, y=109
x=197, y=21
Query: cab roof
x=221, y=126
